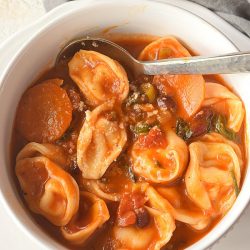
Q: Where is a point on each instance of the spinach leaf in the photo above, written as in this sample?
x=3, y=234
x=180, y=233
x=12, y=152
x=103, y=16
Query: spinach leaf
x=141, y=128
x=183, y=129
x=218, y=125
x=236, y=187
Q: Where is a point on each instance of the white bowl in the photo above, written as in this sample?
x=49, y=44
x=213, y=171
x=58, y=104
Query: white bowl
x=91, y=17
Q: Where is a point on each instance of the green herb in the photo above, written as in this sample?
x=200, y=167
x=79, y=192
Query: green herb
x=183, y=129
x=149, y=90
x=141, y=128
x=236, y=187
x=218, y=125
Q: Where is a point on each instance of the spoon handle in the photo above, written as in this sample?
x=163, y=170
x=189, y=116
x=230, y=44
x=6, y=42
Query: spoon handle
x=223, y=64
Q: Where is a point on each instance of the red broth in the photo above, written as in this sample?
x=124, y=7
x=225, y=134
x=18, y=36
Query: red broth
x=116, y=177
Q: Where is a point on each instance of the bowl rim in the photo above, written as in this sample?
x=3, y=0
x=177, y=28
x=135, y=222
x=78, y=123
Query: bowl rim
x=53, y=22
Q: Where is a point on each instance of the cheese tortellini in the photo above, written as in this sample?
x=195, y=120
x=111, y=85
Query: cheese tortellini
x=53, y=152
x=99, y=77
x=225, y=102
x=176, y=202
x=100, y=141
x=153, y=236
x=215, y=137
x=98, y=188
x=213, y=175
x=164, y=160
x=48, y=189
x=92, y=214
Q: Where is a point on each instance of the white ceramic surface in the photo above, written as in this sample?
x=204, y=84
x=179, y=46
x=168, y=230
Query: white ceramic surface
x=135, y=17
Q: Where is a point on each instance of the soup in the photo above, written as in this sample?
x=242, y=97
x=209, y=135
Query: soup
x=106, y=160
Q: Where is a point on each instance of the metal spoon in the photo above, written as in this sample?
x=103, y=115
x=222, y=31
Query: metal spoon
x=222, y=64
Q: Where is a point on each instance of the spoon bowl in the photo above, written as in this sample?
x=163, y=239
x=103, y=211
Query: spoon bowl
x=222, y=64
x=103, y=46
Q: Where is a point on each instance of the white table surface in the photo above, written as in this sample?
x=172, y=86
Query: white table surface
x=11, y=236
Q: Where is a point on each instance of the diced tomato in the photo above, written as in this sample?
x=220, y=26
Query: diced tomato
x=129, y=205
x=155, y=138
x=128, y=218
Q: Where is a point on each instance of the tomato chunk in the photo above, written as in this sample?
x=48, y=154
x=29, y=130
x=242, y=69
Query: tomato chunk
x=131, y=210
x=187, y=90
x=155, y=138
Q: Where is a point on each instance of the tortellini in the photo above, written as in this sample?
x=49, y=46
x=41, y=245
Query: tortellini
x=92, y=214
x=162, y=161
x=98, y=188
x=51, y=151
x=213, y=175
x=111, y=186
x=215, y=137
x=165, y=47
x=182, y=208
x=48, y=189
x=100, y=141
x=225, y=102
x=153, y=236
x=99, y=77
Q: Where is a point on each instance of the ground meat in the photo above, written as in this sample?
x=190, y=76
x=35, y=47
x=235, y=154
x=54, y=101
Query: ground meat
x=135, y=114
x=76, y=99
x=143, y=79
x=167, y=103
x=69, y=142
x=73, y=168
